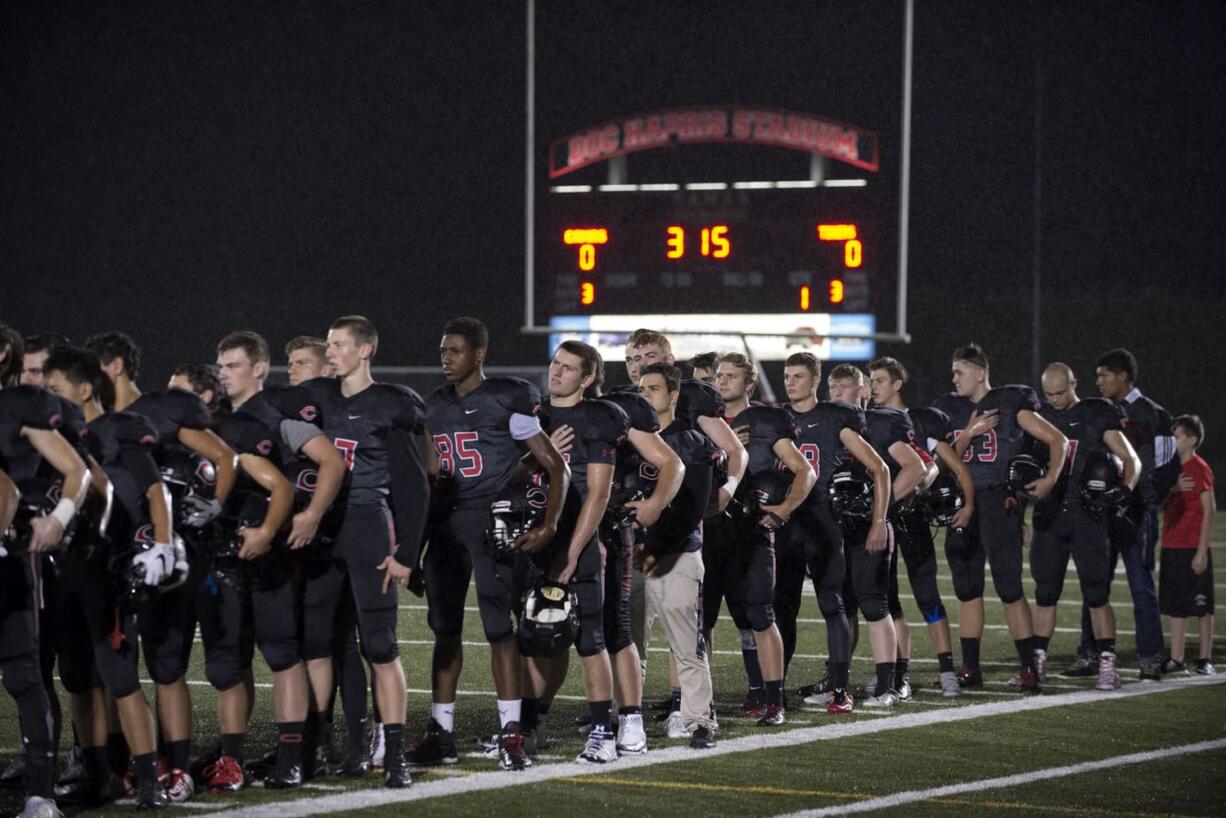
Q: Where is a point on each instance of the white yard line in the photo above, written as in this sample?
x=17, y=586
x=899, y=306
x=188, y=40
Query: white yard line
x=482, y=782
x=911, y=796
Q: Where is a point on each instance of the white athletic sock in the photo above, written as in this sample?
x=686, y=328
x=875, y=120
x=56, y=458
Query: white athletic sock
x=508, y=711
x=444, y=714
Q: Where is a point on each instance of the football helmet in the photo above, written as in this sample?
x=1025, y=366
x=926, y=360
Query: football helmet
x=1024, y=469
x=517, y=509
x=851, y=492
x=766, y=488
x=1102, y=485
x=943, y=499
x=550, y=620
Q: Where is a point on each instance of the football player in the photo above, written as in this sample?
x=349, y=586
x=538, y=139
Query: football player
x=478, y=425
x=868, y=571
x=378, y=428
x=703, y=366
x=306, y=359
x=97, y=648
x=1063, y=525
x=29, y=421
x=913, y=535
x=670, y=554
x=1148, y=429
x=990, y=427
x=315, y=471
x=191, y=454
x=828, y=431
x=37, y=350
x=744, y=543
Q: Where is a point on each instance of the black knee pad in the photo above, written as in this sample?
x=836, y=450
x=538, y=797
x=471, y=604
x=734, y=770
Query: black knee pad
x=77, y=671
x=281, y=653
x=379, y=645
x=1008, y=589
x=495, y=619
x=21, y=675
x=760, y=617
x=931, y=609
x=445, y=620
x=1046, y=594
x=590, y=639
x=164, y=664
x=1095, y=594
x=222, y=667
x=117, y=670
x=874, y=607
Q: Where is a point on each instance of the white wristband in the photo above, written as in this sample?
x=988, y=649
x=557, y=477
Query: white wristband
x=730, y=485
x=64, y=511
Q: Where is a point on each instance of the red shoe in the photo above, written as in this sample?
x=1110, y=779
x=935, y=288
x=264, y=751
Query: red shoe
x=224, y=775
x=179, y=786
x=754, y=704
x=773, y=716
x=1026, y=682
x=968, y=677
x=841, y=702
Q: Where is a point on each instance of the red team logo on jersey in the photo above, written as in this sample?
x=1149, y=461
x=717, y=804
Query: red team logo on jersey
x=309, y=413
x=459, y=450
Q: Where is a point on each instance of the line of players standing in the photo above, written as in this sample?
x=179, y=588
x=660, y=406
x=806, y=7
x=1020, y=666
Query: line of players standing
x=289, y=521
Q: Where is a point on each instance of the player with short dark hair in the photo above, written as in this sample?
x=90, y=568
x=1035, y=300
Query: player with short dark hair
x=990, y=428
x=1063, y=526
x=913, y=532
x=869, y=573
x=314, y=471
x=744, y=543
x=1148, y=429
x=29, y=421
x=703, y=366
x=478, y=426
x=97, y=644
x=378, y=428
x=37, y=349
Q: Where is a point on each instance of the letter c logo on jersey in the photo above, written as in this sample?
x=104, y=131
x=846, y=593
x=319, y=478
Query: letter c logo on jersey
x=537, y=497
x=206, y=472
x=148, y=440
x=55, y=421
x=144, y=534
x=648, y=472
x=264, y=447
x=309, y=413
x=307, y=478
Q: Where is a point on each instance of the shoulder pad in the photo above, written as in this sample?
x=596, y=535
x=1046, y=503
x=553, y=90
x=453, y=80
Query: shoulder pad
x=185, y=408
x=849, y=415
x=32, y=406
x=293, y=402
x=133, y=430
x=1022, y=396
x=699, y=399
x=515, y=394
x=637, y=408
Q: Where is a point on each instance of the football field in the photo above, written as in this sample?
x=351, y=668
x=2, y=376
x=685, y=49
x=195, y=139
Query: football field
x=1152, y=748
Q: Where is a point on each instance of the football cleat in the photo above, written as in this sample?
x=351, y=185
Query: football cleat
x=1151, y=669
x=601, y=747
x=1171, y=666
x=904, y=688
x=36, y=807
x=179, y=786
x=1108, y=676
x=818, y=692
x=1026, y=682
x=511, y=752
x=754, y=704
x=356, y=763
x=676, y=726
x=396, y=773
x=702, y=739
x=435, y=746
x=224, y=775
x=884, y=701
x=774, y=716
x=840, y=702
x=631, y=737
x=151, y=795
x=1204, y=667
x=970, y=677
x=1040, y=664
x=949, y=685
x=73, y=768
x=1082, y=666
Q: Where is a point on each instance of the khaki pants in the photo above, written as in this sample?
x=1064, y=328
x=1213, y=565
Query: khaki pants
x=673, y=590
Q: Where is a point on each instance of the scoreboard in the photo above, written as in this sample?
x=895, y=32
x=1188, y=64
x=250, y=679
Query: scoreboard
x=775, y=266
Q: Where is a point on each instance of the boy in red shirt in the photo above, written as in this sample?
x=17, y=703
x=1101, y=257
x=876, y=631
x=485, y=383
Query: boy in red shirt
x=1186, y=584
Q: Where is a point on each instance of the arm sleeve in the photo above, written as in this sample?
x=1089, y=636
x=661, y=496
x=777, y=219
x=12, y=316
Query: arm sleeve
x=297, y=433
x=410, y=491
x=524, y=426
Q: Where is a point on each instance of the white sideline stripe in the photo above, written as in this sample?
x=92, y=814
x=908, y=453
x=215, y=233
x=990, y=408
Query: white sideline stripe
x=911, y=796
x=481, y=782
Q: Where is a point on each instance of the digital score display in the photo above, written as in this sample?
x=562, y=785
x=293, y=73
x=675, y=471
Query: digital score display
x=709, y=252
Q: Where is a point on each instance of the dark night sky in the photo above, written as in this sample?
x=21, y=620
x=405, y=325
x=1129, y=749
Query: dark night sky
x=179, y=170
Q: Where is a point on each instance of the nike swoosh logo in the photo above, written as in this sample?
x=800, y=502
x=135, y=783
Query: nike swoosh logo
x=811, y=425
x=469, y=411
x=354, y=417
x=1074, y=424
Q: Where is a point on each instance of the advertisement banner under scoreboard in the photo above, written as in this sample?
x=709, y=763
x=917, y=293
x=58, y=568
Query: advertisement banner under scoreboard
x=691, y=334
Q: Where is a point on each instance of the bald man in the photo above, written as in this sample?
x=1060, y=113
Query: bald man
x=1063, y=526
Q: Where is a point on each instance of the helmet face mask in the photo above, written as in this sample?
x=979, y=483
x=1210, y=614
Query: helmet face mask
x=517, y=510
x=1023, y=470
x=943, y=499
x=768, y=488
x=851, y=495
x=1102, y=487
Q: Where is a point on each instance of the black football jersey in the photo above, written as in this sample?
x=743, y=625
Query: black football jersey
x=989, y=454
x=170, y=410
x=1084, y=424
x=274, y=406
x=360, y=426
x=887, y=426
x=600, y=427
x=472, y=435
x=22, y=406
x=679, y=526
x=642, y=418
x=932, y=426
x=123, y=443
x=697, y=399
x=1148, y=428
x=818, y=439
x=767, y=426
